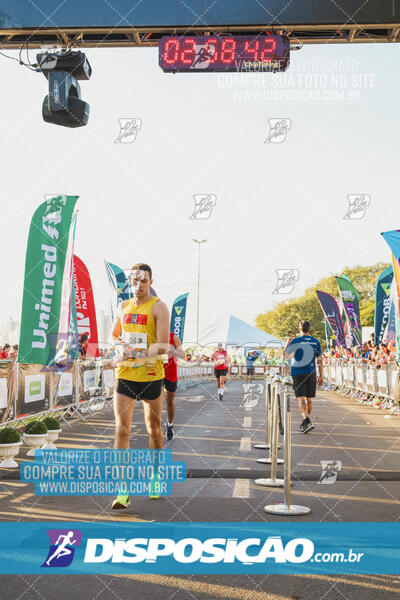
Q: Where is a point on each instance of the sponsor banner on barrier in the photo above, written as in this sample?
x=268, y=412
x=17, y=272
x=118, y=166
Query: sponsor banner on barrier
x=7, y=390
x=108, y=378
x=89, y=379
x=3, y=393
x=64, y=392
x=66, y=384
x=199, y=548
x=33, y=389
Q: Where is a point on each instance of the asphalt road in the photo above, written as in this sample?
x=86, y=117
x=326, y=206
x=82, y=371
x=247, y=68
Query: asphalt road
x=216, y=439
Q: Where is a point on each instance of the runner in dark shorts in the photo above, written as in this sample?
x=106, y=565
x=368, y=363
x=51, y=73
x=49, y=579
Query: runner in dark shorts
x=305, y=350
x=220, y=373
x=305, y=385
x=251, y=358
x=171, y=379
x=137, y=390
x=140, y=332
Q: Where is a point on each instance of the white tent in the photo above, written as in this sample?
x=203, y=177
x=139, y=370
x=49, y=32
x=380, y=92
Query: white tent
x=232, y=331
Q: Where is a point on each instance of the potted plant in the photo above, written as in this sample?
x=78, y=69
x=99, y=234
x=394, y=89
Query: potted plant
x=35, y=435
x=10, y=441
x=53, y=431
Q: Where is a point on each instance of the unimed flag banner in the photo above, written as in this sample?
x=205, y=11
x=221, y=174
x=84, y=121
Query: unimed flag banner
x=178, y=315
x=47, y=282
x=85, y=308
x=382, y=303
x=351, y=303
x=332, y=314
x=392, y=238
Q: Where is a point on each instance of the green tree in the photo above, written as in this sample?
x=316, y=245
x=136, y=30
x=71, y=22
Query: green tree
x=283, y=319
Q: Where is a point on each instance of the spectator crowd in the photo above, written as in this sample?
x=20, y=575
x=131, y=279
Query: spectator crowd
x=379, y=354
x=8, y=352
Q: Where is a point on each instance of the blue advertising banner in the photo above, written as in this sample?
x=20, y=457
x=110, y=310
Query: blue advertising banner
x=390, y=333
x=178, y=314
x=118, y=281
x=199, y=548
x=392, y=238
x=382, y=303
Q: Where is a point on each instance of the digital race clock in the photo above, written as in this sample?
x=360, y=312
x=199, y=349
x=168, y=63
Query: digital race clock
x=224, y=53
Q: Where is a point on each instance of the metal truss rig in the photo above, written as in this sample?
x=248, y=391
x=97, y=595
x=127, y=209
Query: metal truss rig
x=119, y=37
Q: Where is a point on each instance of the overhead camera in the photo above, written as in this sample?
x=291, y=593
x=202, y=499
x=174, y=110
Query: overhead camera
x=63, y=104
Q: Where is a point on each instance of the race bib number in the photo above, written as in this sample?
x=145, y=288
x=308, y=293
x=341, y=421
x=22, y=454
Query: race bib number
x=220, y=360
x=138, y=341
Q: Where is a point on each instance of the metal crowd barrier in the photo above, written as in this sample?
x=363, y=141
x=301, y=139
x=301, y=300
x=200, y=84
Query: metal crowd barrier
x=28, y=391
x=366, y=382
x=276, y=389
x=82, y=387
x=191, y=373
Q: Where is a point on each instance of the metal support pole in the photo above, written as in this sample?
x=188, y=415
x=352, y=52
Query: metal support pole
x=198, y=242
x=273, y=481
x=287, y=508
x=267, y=444
x=198, y=296
x=16, y=384
x=51, y=389
x=269, y=423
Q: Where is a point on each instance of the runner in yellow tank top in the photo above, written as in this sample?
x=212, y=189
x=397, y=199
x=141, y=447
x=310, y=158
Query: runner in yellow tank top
x=143, y=325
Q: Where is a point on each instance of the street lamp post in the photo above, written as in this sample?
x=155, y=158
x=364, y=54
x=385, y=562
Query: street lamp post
x=198, y=242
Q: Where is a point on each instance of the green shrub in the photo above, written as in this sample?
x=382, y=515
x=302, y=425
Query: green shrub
x=51, y=423
x=35, y=427
x=8, y=435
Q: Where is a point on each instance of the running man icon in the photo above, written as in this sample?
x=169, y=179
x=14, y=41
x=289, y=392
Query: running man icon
x=62, y=549
x=61, y=552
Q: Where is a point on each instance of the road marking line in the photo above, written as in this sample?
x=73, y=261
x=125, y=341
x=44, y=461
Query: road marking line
x=241, y=489
x=247, y=422
x=245, y=444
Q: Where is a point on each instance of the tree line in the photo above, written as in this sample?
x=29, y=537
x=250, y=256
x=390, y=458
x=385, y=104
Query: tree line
x=283, y=319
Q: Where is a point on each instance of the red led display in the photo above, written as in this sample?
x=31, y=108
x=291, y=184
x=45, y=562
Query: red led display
x=224, y=53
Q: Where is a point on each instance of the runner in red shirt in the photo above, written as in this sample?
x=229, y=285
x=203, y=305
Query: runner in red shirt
x=171, y=379
x=221, y=359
